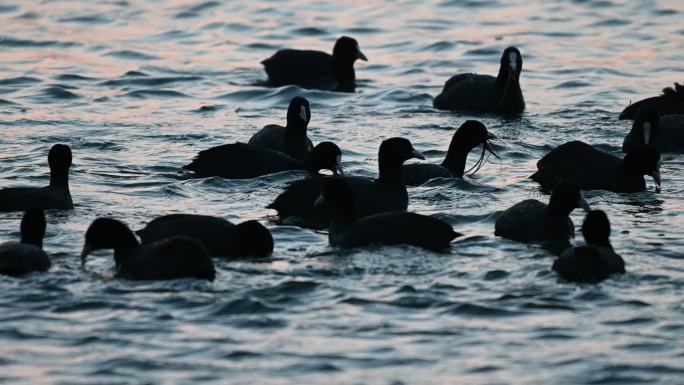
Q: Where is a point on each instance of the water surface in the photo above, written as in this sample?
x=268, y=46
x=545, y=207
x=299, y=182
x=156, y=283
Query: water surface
x=138, y=87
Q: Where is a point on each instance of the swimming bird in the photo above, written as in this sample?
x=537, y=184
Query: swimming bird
x=485, y=93
x=171, y=258
x=19, y=258
x=54, y=196
x=316, y=69
x=670, y=102
x=650, y=128
x=387, y=193
x=595, y=261
x=389, y=228
x=471, y=134
x=291, y=139
x=220, y=237
x=244, y=161
x=532, y=221
x=594, y=169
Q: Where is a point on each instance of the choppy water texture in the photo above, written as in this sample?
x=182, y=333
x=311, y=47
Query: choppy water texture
x=138, y=87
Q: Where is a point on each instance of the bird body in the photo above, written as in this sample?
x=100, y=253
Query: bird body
x=670, y=102
x=54, y=196
x=594, y=169
x=386, y=193
x=315, y=69
x=531, y=221
x=485, y=93
x=220, y=237
x=595, y=261
x=171, y=258
x=244, y=161
x=665, y=133
x=291, y=139
x=388, y=228
x=19, y=258
x=468, y=136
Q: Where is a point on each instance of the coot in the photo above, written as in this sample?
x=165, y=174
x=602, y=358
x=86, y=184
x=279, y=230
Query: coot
x=220, y=237
x=316, y=69
x=470, y=135
x=663, y=132
x=595, y=261
x=244, y=161
x=171, y=258
x=291, y=139
x=485, y=93
x=390, y=228
x=670, y=102
x=594, y=169
x=54, y=196
x=531, y=221
x=19, y=258
x=387, y=193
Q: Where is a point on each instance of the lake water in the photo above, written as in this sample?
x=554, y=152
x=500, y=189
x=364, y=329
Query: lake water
x=136, y=88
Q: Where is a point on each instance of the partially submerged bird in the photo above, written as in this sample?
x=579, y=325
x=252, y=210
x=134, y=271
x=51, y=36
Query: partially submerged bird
x=471, y=134
x=316, y=69
x=244, y=161
x=531, y=221
x=670, y=102
x=595, y=261
x=485, y=93
x=387, y=193
x=170, y=258
x=662, y=132
x=54, y=196
x=220, y=237
x=389, y=228
x=594, y=169
x=19, y=258
x=291, y=139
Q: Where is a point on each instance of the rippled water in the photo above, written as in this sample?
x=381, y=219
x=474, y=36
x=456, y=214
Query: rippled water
x=137, y=88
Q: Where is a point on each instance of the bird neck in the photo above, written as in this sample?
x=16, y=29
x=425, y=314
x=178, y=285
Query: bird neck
x=555, y=224
x=629, y=179
x=125, y=248
x=343, y=70
x=456, y=156
x=59, y=178
x=309, y=164
x=507, y=89
x=295, y=129
x=600, y=242
x=342, y=219
x=32, y=240
x=558, y=210
x=390, y=172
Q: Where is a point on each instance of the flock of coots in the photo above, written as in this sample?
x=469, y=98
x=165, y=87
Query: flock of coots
x=359, y=211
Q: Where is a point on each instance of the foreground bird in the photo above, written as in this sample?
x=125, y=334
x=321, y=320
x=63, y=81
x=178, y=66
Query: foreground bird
x=387, y=193
x=470, y=135
x=220, y=237
x=19, y=258
x=670, y=102
x=291, y=139
x=650, y=128
x=594, y=169
x=54, y=196
x=531, y=221
x=244, y=161
x=485, y=93
x=390, y=228
x=316, y=69
x=595, y=261
x=171, y=258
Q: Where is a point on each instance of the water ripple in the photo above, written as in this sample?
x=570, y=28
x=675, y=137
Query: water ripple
x=138, y=88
